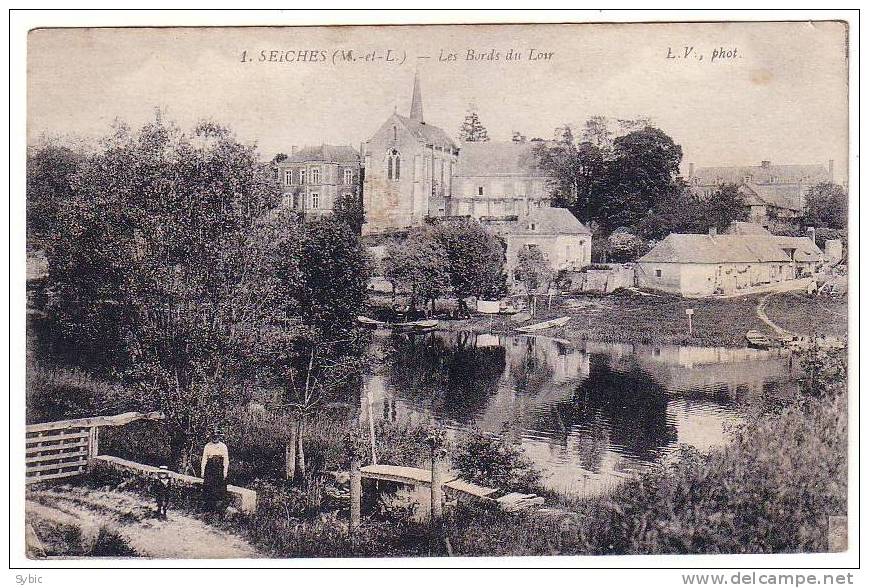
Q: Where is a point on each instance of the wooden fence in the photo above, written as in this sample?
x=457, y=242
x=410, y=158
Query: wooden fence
x=62, y=449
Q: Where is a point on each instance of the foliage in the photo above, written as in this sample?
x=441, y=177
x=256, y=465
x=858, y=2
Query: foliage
x=576, y=171
x=476, y=260
x=534, y=269
x=156, y=250
x=50, y=170
x=826, y=205
x=472, y=130
x=494, y=461
x=420, y=264
x=623, y=246
x=826, y=372
x=350, y=210
x=724, y=206
x=518, y=137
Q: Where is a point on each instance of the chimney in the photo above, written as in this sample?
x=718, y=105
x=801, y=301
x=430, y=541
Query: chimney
x=830, y=167
x=691, y=170
x=810, y=231
x=765, y=163
x=713, y=231
x=293, y=149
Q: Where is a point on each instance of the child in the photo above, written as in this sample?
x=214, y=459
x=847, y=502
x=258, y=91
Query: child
x=162, y=490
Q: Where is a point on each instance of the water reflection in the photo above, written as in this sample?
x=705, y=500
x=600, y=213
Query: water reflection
x=588, y=414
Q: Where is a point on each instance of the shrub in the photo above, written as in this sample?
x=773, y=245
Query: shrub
x=494, y=461
x=826, y=372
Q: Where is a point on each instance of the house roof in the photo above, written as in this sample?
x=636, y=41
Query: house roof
x=546, y=221
x=804, y=248
x=337, y=153
x=427, y=133
x=743, y=228
x=690, y=248
x=760, y=174
x=498, y=159
x=779, y=195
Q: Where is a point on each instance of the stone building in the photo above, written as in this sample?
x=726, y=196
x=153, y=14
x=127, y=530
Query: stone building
x=414, y=171
x=408, y=170
x=750, y=259
x=313, y=178
x=564, y=240
x=495, y=179
x=774, y=194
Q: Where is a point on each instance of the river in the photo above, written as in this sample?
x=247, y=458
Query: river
x=588, y=414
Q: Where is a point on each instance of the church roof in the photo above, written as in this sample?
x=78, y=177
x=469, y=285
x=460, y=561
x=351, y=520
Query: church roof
x=427, y=133
x=690, y=248
x=546, y=221
x=338, y=153
x=498, y=159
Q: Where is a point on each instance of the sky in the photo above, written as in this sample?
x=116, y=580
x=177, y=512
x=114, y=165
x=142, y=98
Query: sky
x=778, y=93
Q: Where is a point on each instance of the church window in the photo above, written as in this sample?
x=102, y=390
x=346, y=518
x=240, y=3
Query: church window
x=315, y=175
x=315, y=200
x=393, y=165
x=348, y=176
x=395, y=133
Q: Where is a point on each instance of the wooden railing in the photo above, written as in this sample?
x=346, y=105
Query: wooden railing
x=62, y=448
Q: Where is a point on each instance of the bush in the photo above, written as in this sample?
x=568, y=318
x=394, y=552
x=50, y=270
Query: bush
x=826, y=373
x=493, y=461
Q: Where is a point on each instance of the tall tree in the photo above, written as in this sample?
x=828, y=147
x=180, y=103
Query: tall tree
x=420, y=264
x=472, y=129
x=476, y=260
x=168, y=215
x=50, y=169
x=826, y=206
x=643, y=170
x=725, y=206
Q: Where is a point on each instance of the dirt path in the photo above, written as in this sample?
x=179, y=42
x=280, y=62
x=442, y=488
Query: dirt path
x=761, y=314
x=178, y=537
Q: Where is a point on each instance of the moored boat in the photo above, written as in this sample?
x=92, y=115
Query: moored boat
x=422, y=325
x=369, y=322
x=556, y=322
x=758, y=340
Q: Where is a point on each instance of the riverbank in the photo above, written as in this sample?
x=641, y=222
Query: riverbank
x=653, y=319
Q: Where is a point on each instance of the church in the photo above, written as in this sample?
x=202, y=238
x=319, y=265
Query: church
x=415, y=171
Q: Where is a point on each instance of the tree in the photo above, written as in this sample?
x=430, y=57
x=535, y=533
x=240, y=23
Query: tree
x=643, y=170
x=725, y=206
x=161, y=220
x=518, y=137
x=826, y=205
x=279, y=158
x=50, y=169
x=350, y=210
x=533, y=269
x=597, y=132
x=575, y=170
x=472, y=129
x=624, y=246
x=476, y=260
x=419, y=263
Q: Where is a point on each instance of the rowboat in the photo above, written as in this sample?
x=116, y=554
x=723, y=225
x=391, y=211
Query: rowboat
x=556, y=322
x=423, y=325
x=369, y=322
x=758, y=340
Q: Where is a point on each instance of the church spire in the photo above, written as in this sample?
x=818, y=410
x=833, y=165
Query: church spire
x=416, y=102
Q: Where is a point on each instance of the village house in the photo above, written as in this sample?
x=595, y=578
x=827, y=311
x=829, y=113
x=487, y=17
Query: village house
x=804, y=253
x=774, y=194
x=703, y=265
x=312, y=179
x=564, y=240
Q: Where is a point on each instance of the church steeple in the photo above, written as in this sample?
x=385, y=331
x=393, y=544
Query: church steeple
x=416, y=102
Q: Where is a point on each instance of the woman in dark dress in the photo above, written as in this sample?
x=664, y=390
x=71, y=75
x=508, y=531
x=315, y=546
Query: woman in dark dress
x=215, y=467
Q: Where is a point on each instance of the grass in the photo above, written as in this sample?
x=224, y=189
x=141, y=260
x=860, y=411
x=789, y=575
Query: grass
x=631, y=318
x=808, y=315
x=62, y=540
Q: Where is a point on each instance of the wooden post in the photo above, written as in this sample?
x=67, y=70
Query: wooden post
x=290, y=452
x=94, y=442
x=355, y=492
x=436, y=440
